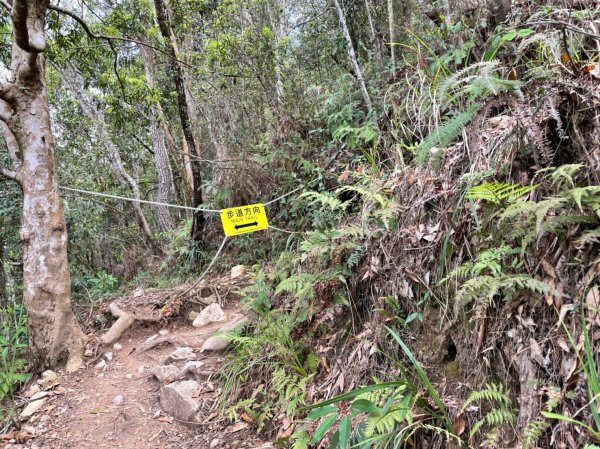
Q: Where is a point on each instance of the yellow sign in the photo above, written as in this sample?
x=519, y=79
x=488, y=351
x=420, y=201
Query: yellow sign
x=244, y=219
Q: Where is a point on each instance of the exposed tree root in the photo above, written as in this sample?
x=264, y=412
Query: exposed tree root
x=124, y=322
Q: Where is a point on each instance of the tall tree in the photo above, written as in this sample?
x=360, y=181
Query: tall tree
x=390, y=5
x=161, y=156
x=166, y=30
x=352, y=56
x=54, y=335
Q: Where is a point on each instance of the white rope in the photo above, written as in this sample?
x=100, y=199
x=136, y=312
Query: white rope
x=275, y=228
x=133, y=200
x=283, y=196
x=212, y=262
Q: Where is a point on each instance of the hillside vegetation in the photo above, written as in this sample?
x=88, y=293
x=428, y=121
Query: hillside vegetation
x=430, y=277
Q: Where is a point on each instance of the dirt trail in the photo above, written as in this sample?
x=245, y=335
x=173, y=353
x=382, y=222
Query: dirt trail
x=115, y=401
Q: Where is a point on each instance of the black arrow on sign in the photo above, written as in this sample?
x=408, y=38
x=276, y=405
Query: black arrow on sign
x=247, y=225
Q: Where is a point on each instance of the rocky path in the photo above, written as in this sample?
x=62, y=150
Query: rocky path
x=154, y=388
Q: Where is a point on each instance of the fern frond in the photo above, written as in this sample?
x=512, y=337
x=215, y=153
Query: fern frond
x=533, y=432
x=491, y=392
x=301, y=439
x=498, y=193
x=300, y=285
x=326, y=200
x=444, y=134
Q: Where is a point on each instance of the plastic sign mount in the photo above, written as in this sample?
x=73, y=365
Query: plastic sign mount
x=244, y=219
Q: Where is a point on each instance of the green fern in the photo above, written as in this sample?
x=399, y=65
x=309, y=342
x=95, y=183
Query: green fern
x=533, y=432
x=300, y=285
x=492, y=393
x=499, y=193
x=485, y=288
x=444, y=134
x=499, y=414
x=301, y=439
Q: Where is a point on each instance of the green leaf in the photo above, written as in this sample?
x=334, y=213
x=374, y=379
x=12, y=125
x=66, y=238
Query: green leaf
x=354, y=393
x=335, y=439
x=344, y=431
x=525, y=32
x=425, y=379
x=323, y=428
x=509, y=36
x=363, y=405
x=321, y=411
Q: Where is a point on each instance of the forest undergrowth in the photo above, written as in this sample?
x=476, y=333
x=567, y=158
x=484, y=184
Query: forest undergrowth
x=436, y=283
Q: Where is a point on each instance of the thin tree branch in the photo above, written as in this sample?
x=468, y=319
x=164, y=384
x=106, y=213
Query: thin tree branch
x=10, y=174
x=7, y=92
x=567, y=26
x=6, y=6
x=109, y=39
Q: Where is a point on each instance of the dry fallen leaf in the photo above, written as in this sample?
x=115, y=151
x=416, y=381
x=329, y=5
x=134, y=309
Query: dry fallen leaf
x=459, y=424
x=246, y=417
x=237, y=427
x=536, y=352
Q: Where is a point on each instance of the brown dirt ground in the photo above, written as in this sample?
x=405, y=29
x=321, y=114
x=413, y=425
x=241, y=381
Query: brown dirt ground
x=80, y=412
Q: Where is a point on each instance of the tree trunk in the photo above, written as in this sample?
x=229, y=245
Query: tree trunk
x=390, y=5
x=161, y=157
x=3, y=297
x=374, y=40
x=100, y=128
x=55, y=338
x=184, y=115
x=352, y=56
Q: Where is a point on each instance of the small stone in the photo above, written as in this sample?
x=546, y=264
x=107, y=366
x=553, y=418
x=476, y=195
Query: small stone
x=101, y=364
x=31, y=408
x=237, y=271
x=118, y=399
x=33, y=389
x=211, y=314
x=221, y=342
x=128, y=376
x=214, y=443
x=117, y=346
x=152, y=337
x=141, y=370
x=29, y=429
x=88, y=352
x=165, y=373
x=208, y=300
x=108, y=356
x=156, y=415
x=177, y=400
x=49, y=379
x=181, y=354
x=192, y=315
x=193, y=365
x=163, y=332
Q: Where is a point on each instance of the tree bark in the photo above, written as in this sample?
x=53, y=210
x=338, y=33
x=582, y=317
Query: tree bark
x=184, y=114
x=161, y=156
x=352, y=56
x=390, y=5
x=3, y=297
x=374, y=40
x=55, y=338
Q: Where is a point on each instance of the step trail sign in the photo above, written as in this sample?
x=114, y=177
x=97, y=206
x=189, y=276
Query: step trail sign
x=244, y=219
